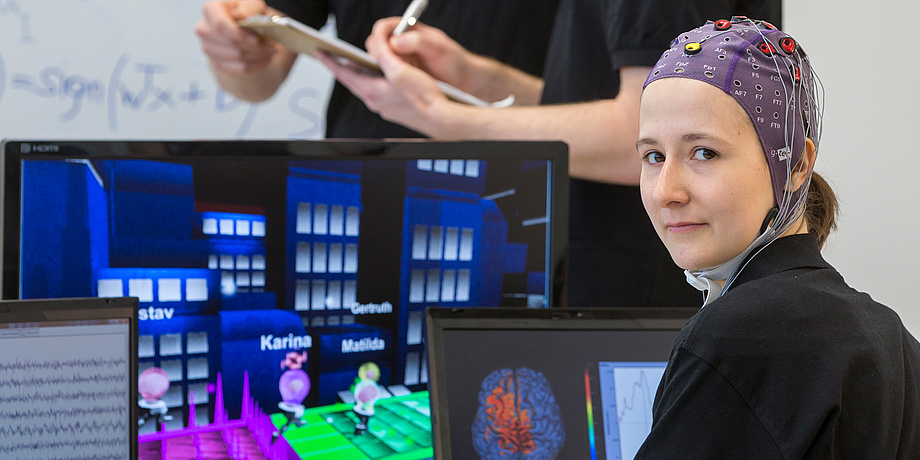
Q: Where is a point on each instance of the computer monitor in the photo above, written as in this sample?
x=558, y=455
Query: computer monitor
x=254, y=258
x=65, y=378
x=559, y=383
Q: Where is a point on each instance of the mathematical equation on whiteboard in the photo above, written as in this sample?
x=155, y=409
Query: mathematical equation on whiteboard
x=120, y=98
x=97, y=89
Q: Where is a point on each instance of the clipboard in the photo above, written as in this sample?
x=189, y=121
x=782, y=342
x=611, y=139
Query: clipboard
x=303, y=39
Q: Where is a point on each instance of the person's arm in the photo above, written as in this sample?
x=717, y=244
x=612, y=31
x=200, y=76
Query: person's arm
x=601, y=135
x=698, y=413
x=245, y=65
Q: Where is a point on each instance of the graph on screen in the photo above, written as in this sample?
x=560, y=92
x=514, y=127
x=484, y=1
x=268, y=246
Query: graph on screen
x=65, y=392
x=627, y=391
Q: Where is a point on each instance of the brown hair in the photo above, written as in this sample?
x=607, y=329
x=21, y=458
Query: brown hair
x=821, y=209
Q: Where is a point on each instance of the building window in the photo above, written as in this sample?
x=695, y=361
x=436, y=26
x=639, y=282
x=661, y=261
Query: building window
x=170, y=344
x=141, y=288
x=463, y=286
x=456, y=167
x=466, y=244
x=145, y=346
x=198, y=394
x=196, y=289
x=472, y=168
x=173, y=368
x=451, y=243
x=258, y=262
x=302, y=259
x=434, y=281
x=417, y=286
x=420, y=242
x=352, y=221
x=258, y=279
x=319, y=257
x=349, y=294
x=198, y=368
x=441, y=166
x=320, y=220
x=209, y=226
x=169, y=290
x=197, y=342
x=448, y=286
x=414, y=332
x=351, y=258
x=434, y=242
x=335, y=258
x=242, y=262
x=226, y=226
x=303, y=219
x=423, y=165
x=110, y=288
x=242, y=227
x=302, y=295
x=226, y=262
x=318, y=297
x=258, y=228
x=334, y=295
x=412, y=368
x=337, y=220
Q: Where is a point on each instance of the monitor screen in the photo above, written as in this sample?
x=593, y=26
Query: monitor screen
x=65, y=386
x=548, y=384
x=263, y=266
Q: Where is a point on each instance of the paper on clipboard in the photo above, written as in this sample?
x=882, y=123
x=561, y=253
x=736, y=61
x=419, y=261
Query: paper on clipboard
x=304, y=39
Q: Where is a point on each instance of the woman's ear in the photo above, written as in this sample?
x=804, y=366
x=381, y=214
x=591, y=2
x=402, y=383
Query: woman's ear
x=806, y=164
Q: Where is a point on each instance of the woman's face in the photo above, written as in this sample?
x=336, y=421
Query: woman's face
x=705, y=182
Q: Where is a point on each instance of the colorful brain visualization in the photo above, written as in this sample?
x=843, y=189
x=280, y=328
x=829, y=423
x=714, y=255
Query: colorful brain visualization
x=518, y=418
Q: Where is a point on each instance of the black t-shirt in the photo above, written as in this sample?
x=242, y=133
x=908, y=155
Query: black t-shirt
x=615, y=258
x=512, y=31
x=790, y=363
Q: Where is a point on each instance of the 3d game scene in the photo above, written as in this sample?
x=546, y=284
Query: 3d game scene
x=282, y=300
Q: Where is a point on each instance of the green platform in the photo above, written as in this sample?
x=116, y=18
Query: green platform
x=399, y=430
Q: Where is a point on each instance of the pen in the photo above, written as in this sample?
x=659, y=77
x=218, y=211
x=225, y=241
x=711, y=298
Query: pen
x=410, y=17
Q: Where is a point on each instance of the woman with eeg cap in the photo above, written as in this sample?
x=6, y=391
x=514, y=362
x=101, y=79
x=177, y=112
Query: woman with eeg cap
x=785, y=360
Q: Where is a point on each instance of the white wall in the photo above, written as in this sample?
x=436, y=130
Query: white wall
x=865, y=54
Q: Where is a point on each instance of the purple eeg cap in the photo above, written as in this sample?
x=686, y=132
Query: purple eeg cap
x=762, y=68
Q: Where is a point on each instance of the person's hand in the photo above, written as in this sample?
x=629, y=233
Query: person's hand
x=425, y=47
x=229, y=48
x=404, y=94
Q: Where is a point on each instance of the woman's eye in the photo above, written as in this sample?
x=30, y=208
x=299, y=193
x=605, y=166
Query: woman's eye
x=704, y=154
x=654, y=157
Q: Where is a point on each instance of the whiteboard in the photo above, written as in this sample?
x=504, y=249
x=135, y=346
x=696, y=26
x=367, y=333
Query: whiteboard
x=124, y=69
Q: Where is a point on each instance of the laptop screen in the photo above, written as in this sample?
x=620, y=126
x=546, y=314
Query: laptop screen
x=552, y=384
x=66, y=386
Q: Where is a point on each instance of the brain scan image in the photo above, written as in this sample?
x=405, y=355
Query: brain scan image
x=517, y=417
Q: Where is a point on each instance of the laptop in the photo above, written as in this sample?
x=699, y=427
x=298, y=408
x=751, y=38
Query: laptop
x=552, y=383
x=68, y=378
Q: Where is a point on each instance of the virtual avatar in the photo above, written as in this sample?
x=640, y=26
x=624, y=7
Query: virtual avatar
x=294, y=386
x=366, y=392
x=152, y=384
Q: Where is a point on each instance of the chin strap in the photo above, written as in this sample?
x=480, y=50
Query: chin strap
x=706, y=280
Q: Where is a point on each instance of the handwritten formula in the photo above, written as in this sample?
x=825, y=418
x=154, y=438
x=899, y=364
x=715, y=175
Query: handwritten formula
x=88, y=69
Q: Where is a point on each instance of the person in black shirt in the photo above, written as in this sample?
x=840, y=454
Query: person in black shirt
x=785, y=360
x=515, y=32
x=599, y=55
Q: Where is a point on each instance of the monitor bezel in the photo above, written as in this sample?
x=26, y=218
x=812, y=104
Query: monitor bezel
x=439, y=320
x=14, y=151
